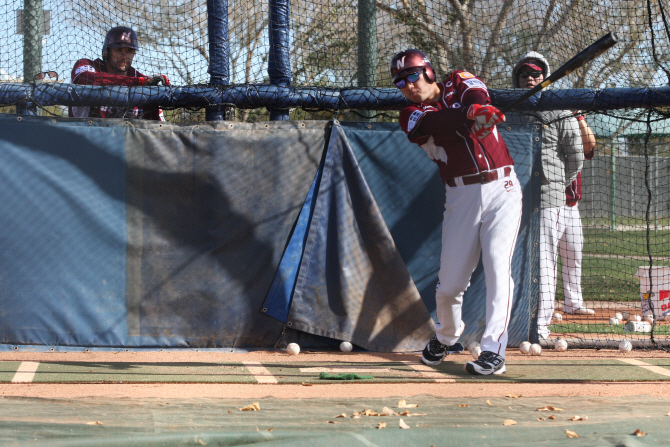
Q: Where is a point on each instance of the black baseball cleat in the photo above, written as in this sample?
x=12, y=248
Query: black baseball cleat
x=434, y=352
x=487, y=363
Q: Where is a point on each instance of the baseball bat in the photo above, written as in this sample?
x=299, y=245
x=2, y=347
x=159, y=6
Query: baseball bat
x=582, y=58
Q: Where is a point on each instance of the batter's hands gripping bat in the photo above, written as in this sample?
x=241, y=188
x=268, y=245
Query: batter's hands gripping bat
x=585, y=56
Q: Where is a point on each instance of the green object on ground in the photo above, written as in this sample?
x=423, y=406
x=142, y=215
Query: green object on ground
x=343, y=376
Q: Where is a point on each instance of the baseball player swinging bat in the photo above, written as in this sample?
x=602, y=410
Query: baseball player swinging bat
x=582, y=58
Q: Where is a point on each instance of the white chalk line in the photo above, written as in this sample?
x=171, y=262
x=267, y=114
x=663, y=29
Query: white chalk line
x=653, y=368
x=429, y=373
x=26, y=372
x=260, y=372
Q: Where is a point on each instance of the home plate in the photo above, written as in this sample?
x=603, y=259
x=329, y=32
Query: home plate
x=343, y=369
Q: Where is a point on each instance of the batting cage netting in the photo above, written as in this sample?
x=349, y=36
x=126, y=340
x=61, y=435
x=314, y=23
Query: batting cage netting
x=604, y=275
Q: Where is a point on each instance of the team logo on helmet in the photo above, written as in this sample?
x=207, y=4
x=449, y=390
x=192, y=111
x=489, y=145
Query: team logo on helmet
x=400, y=64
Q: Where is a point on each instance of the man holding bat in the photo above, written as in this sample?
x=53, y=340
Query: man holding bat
x=455, y=124
x=562, y=160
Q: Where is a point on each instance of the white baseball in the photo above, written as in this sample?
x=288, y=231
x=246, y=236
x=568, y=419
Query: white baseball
x=625, y=315
x=614, y=320
x=345, y=346
x=618, y=316
x=475, y=349
x=649, y=319
x=561, y=345
x=535, y=349
x=293, y=348
x=636, y=317
x=525, y=348
x=625, y=346
x=558, y=317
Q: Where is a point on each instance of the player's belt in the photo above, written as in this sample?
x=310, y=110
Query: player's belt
x=483, y=177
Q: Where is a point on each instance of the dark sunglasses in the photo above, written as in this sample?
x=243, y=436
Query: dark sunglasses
x=401, y=83
x=534, y=74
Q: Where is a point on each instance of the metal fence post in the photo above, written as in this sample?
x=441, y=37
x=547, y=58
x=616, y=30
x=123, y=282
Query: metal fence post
x=33, y=27
x=279, y=63
x=367, y=46
x=219, y=53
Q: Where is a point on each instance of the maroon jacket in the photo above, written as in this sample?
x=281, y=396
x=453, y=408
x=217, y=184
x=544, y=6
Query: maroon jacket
x=87, y=72
x=446, y=131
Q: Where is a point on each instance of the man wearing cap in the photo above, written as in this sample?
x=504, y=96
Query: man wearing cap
x=115, y=68
x=455, y=123
x=562, y=160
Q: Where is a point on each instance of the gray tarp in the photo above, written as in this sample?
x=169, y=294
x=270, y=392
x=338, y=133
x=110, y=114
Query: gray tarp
x=137, y=234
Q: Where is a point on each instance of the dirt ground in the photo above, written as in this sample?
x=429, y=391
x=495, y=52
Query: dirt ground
x=481, y=389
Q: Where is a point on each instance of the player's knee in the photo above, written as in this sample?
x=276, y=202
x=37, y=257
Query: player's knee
x=450, y=293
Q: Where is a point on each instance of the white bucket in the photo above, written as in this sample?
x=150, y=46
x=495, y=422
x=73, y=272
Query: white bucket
x=637, y=326
x=660, y=293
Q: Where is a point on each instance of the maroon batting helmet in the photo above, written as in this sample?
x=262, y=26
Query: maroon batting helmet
x=119, y=37
x=411, y=61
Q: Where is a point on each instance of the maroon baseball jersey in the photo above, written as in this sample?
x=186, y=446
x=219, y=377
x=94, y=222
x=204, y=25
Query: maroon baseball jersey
x=87, y=72
x=573, y=193
x=445, y=131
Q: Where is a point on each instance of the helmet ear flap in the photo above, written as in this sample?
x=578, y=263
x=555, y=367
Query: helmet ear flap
x=430, y=74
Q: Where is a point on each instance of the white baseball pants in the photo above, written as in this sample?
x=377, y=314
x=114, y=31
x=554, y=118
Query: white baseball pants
x=570, y=249
x=479, y=219
x=560, y=232
x=552, y=227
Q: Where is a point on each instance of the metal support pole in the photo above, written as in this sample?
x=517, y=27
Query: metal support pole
x=33, y=26
x=367, y=46
x=219, y=53
x=279, y=63
x=613, y=189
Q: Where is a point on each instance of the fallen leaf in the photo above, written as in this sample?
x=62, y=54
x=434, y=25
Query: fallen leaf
x=462, y=405
x=386, y=411
x=94, y=423
x=381, y=425
x=307, y=384
x=488, y=402
x=576, y=418
x=639, y=433
x=343, y=415
x=571, y=434
x=403, y=404
x=369, y=413
x=509, y=422
x=541, y=419
x=201, y=442
x=252, y=407
x=552, y=417
x=332, y=422
x=404, y=413
x=270, y=429
x=549, y=408
x=230, y=411
x=402, y=424
x=512, y=396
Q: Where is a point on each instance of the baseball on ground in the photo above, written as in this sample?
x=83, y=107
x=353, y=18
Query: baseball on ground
x=558, y=317
x=293, y=348
x=525, y=347
x=535, y=349
x=624, y=315
x=625, y=346
x=561, y=345
x=614, y=320
x=636, y=317
x=475, y=349
x=618, y=316
x=345, y=346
